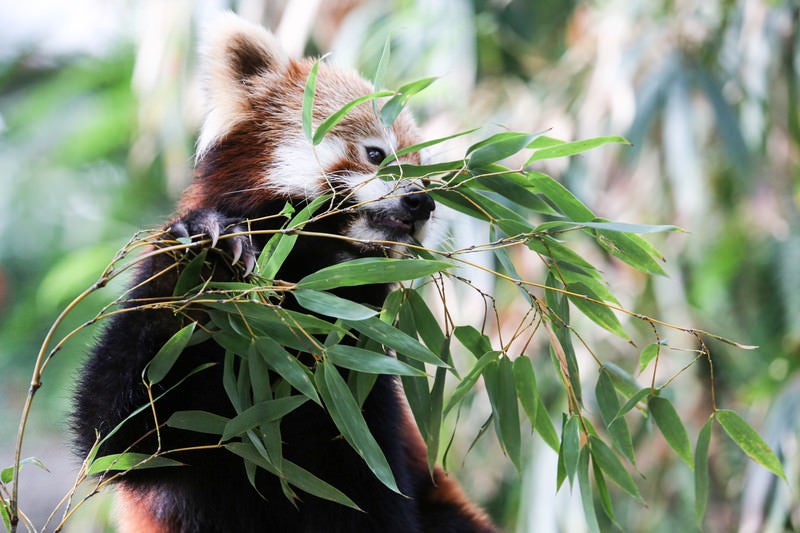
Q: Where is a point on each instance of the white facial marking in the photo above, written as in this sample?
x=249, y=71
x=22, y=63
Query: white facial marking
x=299, y=168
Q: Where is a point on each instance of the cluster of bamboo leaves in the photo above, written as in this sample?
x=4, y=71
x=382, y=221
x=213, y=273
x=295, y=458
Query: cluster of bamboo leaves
x=264, y=380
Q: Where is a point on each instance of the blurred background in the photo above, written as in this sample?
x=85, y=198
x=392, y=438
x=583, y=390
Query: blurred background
x=99, y=110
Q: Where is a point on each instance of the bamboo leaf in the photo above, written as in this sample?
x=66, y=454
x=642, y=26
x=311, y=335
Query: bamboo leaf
x=611, y=466
x=199, y=421
x=294, y=474
x=330, y=122
x=633, y=250
x=563, y=199
x=395, y=339
x=190, y=274
x=749, y=441
x=497, y=147
x=701, y=479
x=570, y=446
x=587, y=495
x=527, y=390
x=649, y=353
x=566, y=149
x=287, y=366
x=609, y=407
x=347, y=416
x=469, y=380
x=7, y=474
x=499, y=379
x=308, y=100
x=128, y=461
x=158, y=367
x=328, y=304
x=368, y=270
x=262, y=413
x=668, y=421
x=370, y=362
x=396, y=103
x=598, y=313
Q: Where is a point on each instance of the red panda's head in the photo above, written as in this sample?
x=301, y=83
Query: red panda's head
x=252, y=149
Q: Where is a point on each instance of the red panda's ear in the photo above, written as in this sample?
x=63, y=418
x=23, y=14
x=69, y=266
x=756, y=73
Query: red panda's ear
x=234, y=53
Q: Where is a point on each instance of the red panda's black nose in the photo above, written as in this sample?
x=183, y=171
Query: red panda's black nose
x=418, y=204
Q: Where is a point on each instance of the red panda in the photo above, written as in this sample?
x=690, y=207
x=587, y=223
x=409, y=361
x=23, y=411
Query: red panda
x=252, y=159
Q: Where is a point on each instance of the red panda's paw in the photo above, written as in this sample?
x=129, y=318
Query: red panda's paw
x=222, y=230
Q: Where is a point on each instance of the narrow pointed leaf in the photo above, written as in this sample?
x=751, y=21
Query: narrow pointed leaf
x=668, y=421
x=701, y=479
x=200, y=421
x=287, y=366
x=527, y=390
x=158, y=368
x=649, y=353
x=347, y=416
x=498, y=147
x=129, y=461
x=573, y=148
x=262, y=413
x=469, y=380
x=609, y=407
x=587, y=494
x=330, y=122
x=749, y=441
x=308, y=101
x=612, y=467
x=328, y=304
x=370, y=362
x=570, y=446
x=370, y=270
x=190, y=274
x=395, y=339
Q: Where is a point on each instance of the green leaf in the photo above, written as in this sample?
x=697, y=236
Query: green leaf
x=199, y=421
x=598, y=313
x=368, y=270
x=280, y=244
x=601, y=224
x=370, y=362
x=347, y=416
x=611, y=466
x=623, y=381
x=668, y=421
x=544, y=425
x=633, y=250
x=427, y=326
x=158, y=368
x=587, y=494
x=473, y=340
x=330, y=122
x=649, y=353
x=563, y=199
x=294, y=474
x=573, y=148
x=749, y=441
x=498, y=147
x=262, y=413
x=395, y=105
x=328, y=304
x=570, y=446
x=609, y=407
x=499, y=380
x=287, y=366
x=632, y=401
x=701, y=479
x=308, y=101
x=469, y=380
x=527, y=390
x=190, y=274
x=395, y=339
x=129, y=461
x=426, y=144
x=7, y=474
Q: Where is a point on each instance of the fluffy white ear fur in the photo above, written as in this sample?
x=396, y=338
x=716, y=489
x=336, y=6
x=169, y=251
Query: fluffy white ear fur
x=233, y=52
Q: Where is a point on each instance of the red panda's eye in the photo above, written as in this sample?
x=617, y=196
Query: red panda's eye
x=375, y=155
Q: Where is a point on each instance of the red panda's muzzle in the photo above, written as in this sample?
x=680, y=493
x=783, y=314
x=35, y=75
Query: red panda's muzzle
x=405, y=217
